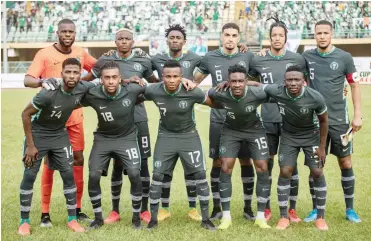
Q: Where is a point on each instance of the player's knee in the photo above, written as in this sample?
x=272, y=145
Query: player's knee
x=217, y=162
x=286, y=172
x=261, y=165
x=94, y=176
x=133, y=174
x=316, y=172
x=78, y=158
x=345, y=162
x=158, y=177
x=67, y=177
x=200, y=175
x=29, y=177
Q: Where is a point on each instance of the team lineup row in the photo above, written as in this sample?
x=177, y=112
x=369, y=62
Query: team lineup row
x=225, y=144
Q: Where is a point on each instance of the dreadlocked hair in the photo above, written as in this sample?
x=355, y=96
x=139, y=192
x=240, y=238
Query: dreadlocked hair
x=278, y=23
x=176, y=27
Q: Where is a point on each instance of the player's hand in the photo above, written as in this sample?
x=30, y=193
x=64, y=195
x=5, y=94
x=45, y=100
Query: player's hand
x=243, y=48
x=109, y=53
x=321, y=154
x=141, y=53
x=222, y=86
x=188, y=84
x=133, y=79
x=357, y=123
x=345, y=91
x=263, y=52
x=30, y=156
x=51, y=83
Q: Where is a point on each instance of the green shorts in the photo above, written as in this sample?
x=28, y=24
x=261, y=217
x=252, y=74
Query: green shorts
x=334, y=141
x=171, y=146
x=143, y=139
x=289, y=148
x=255, y=143
x=58, y=149
x=123, y=149
x=215, y=133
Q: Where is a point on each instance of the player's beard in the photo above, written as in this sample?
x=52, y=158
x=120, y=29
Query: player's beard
x=64, y=45
x=70, y=84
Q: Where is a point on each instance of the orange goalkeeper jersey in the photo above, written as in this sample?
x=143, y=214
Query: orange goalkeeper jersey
x=48, y=64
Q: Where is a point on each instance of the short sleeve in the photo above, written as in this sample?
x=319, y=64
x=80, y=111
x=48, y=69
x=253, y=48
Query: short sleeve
x=202, y=68
x=259, y=93
x=89, y=61
x=84, y=101
x=148, y=72
x=199, y=95
x=198, y=61
x=350, y=68
x=302, y=64
x=252, y=70
x=271, y=89
x=88, y=84
x=321, y=105
x=96, y=69
x=136, y=89
x=148, y=93
x=37, y=66
x=42, y=99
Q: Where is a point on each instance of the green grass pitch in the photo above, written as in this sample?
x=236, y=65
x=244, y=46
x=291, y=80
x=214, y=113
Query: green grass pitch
x=179, y=227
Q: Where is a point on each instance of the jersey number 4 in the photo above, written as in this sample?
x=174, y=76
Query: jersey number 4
x=57, y=114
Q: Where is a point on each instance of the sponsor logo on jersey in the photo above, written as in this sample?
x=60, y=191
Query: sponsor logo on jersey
x=304, y=110
x=126, y=102
x=334, y=65
x=183, y=104
x=137, y=67
x=186, y=64
x=249, y=108
x=242, y=63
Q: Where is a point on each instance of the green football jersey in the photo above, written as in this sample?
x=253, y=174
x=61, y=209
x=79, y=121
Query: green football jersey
x=242, y=113
x=176, y=109
x=327, y=74
x=115, y=114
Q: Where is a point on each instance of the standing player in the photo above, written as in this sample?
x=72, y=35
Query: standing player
x=132, y=66
x=44, y=121
x=217, y=63
x=271, y=70
x=176, y=39
x=48, y=64
x=177, y=138
x=328, y=67
x=116, y=137
x=242, y=125
x=300, y=106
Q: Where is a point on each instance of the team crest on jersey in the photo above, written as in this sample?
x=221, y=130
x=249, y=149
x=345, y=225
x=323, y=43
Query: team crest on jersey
x=222, y=149
x=158, y=164
x=186, y=64
x=137, y=67
x=289, y=64
x=249, y=108
x=304, y=110
x=242, y=63
x=126, y=102
x=334, y=65
x=183, y=104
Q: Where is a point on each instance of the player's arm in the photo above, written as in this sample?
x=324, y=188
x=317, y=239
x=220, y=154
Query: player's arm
x=209, y=101
x=201, y=72
x=88, y=77
x=31, y=153
x=35, y=70
x=89, y=61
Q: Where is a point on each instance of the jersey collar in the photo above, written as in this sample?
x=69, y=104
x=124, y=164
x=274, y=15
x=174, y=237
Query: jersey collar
x=238, y=99
x=175, y=93
x=277, y=57
x=112, y=97
x=64, y=92
x=293, y=99
x=177, y=59
x=228, y=55
x=124, y=59
x=325, y=54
